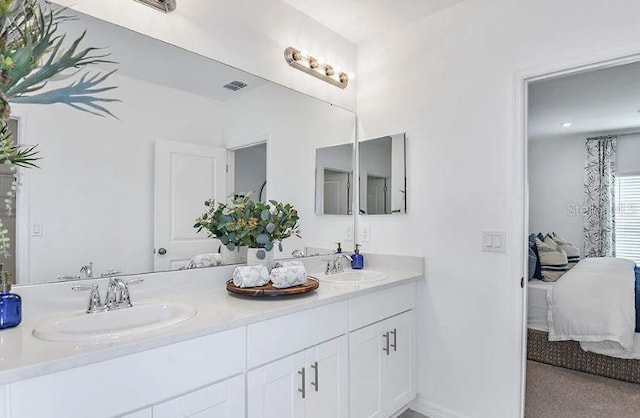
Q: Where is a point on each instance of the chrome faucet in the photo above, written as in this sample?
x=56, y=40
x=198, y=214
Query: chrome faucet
x=87, y=270
x=117, y=296
x=333, y=263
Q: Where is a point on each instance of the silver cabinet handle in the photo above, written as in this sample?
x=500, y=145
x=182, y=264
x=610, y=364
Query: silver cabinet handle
x=395, y=340
x=314, y=366
x=386, y=337
x=303, y=389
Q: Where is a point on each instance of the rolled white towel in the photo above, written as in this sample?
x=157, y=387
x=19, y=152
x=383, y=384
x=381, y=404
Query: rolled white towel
x=289, y=264
x=207, y=260
x=250, y=276
x=282, y=277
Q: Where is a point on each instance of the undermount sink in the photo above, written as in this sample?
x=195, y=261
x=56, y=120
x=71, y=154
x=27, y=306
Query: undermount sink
x=354, y=276
x=112, y=326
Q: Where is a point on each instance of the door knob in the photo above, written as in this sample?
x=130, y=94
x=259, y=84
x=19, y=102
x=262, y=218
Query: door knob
x=162, y=251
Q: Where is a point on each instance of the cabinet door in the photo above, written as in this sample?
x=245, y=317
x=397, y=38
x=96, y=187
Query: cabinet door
x=275, y=389
x=366, y=372
x=327, y=378
x=400, y=367
x=221, y=400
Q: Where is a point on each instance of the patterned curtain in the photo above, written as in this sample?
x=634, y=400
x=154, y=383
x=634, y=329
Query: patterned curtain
x=599, y=197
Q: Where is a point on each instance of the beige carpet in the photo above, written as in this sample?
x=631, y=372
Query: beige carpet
x=555, y=392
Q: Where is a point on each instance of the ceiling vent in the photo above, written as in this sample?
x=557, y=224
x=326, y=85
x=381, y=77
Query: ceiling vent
x=235, y=85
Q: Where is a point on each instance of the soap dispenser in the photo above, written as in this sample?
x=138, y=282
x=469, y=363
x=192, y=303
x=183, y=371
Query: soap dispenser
x=357, y=260
x=10, y=303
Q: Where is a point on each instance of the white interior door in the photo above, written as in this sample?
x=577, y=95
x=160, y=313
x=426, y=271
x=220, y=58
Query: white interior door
x=185, y=176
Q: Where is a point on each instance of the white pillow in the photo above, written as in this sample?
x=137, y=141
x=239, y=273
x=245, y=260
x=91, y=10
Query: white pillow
x=553, y=259
x=573, y=252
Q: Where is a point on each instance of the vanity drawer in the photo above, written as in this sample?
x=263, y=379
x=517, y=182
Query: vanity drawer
x=117, y=386
x=377, y=306
x=278, y=337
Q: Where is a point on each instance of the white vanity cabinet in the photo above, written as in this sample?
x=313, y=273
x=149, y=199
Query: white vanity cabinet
x=308, y=384
x=157, y=379
x=382, y=354
x=299, y=364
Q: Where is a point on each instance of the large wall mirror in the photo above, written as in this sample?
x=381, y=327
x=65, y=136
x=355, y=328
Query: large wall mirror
x=382, y=166
x=114, y=191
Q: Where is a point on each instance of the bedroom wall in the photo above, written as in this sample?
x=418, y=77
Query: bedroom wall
x=556, y=182
x=449, y=81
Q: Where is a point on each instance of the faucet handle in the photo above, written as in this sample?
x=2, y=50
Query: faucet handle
x=95, y=305
x=110, y=272
x=133, y=281
x=68, y=277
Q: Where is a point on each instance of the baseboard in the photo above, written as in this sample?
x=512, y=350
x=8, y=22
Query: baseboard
x=433, y=411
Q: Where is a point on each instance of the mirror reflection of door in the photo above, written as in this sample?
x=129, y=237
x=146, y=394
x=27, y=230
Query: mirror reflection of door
x=378, y=195
x=337, y=192
x=334, y=180
x=248, y=171
x=185, y=176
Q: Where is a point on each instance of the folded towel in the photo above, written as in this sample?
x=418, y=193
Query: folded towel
x=250, y=276
x=289, y=264
x=293, y=275
x=204, y=260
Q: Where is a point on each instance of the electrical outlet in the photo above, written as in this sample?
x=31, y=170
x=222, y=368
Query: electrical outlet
x=364, y=233
x=348, y=233
x=36, y=229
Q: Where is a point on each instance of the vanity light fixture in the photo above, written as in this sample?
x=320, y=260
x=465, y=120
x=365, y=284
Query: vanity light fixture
x=316, y=67
x=162, y=5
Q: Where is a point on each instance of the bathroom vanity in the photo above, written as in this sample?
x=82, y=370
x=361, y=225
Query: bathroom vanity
x=346, y=350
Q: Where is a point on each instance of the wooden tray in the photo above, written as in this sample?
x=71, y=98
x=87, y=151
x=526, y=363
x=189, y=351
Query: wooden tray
x=268, y=290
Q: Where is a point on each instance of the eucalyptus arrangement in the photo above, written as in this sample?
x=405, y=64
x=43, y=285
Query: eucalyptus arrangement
x=34, y=53
x=245, y=222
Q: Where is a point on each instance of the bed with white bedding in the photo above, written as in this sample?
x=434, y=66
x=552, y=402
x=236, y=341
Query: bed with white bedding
x=592, y=305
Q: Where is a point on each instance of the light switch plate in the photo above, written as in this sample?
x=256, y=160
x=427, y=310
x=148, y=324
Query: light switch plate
x=36, y=229
x=493, y=241
x=348, y=234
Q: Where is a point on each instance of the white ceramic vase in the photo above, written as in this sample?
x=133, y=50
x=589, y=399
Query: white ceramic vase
x=237, y=256
x=253, y=259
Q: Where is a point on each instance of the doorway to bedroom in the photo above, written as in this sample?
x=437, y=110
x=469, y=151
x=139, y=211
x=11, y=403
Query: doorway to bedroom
x=583, y=173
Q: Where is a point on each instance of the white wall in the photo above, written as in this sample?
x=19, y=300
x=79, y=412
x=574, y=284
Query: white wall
x=449, y=81
x=93, y=193
x=556, y=182
x=247, y=34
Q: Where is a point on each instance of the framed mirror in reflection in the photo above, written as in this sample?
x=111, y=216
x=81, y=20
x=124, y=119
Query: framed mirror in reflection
x=334, y=180
x=383, y=184
x=121, y=195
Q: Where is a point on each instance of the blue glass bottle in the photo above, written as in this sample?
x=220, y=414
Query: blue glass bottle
x=357, y=259
x=10, y=304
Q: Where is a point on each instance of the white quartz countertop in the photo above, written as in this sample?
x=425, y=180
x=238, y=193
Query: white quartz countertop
x=23, y=356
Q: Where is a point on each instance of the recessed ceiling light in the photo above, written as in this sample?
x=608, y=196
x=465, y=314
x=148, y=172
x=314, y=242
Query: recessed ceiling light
x=567, y=124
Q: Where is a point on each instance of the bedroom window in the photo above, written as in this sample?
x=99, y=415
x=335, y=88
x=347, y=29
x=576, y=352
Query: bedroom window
x=628, y=217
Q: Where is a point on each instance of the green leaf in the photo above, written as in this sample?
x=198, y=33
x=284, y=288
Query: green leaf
x=268, y=246
x=261, y=254
x=262, y=239
x=231, y=246
x=270, y=227
x=265, y=215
